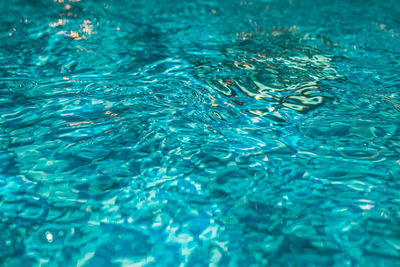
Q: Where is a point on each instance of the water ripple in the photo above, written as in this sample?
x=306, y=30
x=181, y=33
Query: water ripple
x=199, y=133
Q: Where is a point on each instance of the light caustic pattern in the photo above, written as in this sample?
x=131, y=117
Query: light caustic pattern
x=197, y=133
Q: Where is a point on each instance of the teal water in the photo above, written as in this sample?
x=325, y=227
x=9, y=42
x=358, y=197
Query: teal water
x=196, y=133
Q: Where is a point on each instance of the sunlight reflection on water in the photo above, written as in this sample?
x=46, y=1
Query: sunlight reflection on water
x=202, y=132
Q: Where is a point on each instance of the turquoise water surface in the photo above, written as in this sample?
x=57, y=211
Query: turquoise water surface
x=197, y=133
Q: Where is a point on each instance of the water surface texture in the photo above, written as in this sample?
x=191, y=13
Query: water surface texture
x=189, y=133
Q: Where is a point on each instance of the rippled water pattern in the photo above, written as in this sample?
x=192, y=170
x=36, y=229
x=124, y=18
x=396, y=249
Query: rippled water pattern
x=189, y=133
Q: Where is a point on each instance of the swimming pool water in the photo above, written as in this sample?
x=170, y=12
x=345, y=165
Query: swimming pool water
x=196, y=133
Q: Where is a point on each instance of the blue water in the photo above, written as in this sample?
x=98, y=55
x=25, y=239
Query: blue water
x=197, y=133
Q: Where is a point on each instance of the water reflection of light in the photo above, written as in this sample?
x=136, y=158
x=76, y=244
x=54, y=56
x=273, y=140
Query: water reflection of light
x=386, y=29
x=49, y=237
x=87, y=27
x=58, y=23
x=80, y=123
x=366, y=206
x=75, y=35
